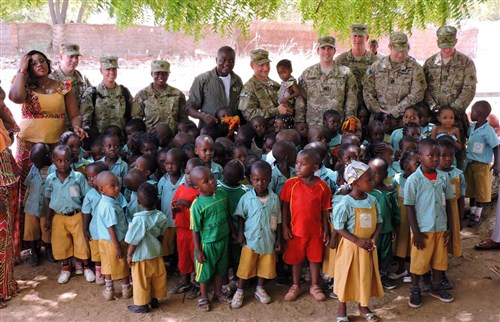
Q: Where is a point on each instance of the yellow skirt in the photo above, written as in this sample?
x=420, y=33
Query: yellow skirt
x=402, y=245
x=357, y=277
x=455, y=243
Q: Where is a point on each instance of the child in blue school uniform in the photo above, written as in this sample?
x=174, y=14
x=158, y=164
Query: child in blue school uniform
x=259, y=222
x=131, y=181
x=34, y=203
x=430, y=222
x=112, y=227
x=111, y=148
x=144, y=254
x=64, y=192
x=204, y=149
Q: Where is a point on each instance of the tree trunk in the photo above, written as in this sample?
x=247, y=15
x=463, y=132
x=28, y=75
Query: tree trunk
x=63, y=11
x=58, y=11
x=52, y=11
x=80, y=12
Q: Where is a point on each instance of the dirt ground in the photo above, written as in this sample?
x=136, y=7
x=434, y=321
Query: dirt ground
x=476, y=295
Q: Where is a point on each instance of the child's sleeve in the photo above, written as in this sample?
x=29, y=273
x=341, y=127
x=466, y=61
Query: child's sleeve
x=326, y=199
x=196, y=221
x=277, y=209
x=241, y=209
x=342, y=210
x=108, y=216
x=48, y=186
x=29, y=178
x=136, y=232
x=449, y=189
x=410, y=191
x=492, y=138
x=162, y=223
x=86, y=204
x=286, y=193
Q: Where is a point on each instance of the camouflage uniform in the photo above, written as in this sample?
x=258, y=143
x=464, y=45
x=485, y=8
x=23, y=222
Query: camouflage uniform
x=79, y=83
x=321, y=92
x=208, y=95
x=358, y=66
x=154, y=107
x=259, y=99
x=394, y=88
x=109, y=109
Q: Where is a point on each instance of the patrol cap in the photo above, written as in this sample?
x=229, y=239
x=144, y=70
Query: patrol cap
x=108, y=62
x=259, y=56
x=160, y=66
x=447, y=37
x=399, y=41
x=326, y=41
x=359, y=30
x=70, y=49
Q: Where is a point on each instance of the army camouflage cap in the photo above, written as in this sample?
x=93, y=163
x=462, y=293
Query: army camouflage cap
x=359, y=30
x=399, y=41
x=447, y=37
x=70, y=49
x=108, y=62
x=160, y=66
x=259, y=56
x=326, y=41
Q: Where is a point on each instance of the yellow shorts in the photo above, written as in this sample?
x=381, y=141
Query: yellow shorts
x=67, y=237
x=479, y=181
x=168, y=242
x=34, y=229
x=94, y=251
x=434, y=255
x=110, y=265
x=149, y=279
x=253, y=264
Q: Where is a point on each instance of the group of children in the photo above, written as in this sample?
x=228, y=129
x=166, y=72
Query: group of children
x=266, y=200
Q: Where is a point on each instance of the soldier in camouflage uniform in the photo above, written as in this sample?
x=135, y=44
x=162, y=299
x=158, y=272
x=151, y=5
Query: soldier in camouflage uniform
x=160, y=102
x=326, y=86
x=394, y=82
x=259, y=96
x=69, y=57
x=451, y=78
x=108, y=103
x=358, y=59
x=373, y=44
x=215, y=89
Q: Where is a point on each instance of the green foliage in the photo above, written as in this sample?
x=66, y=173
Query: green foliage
x=383, y=16
x=38, y=10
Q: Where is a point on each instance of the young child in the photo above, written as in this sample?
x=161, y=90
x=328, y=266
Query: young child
x=446, y=117
x=259, y=217
x=34, y=204
x=306, y=204
x=411, y=115
x=389, y=212
x=111, y=228
x=425, y=115
x=303, y=129
x=375, y=132
x=289, y=90
x=181, y=202
x=318, y=133
x=148, y=164
x=131, y=181
x=168, y=184
x=64, y=192
x=390, y=125
x=89, y=205
x=327, y=175
x=267, y=147
x=332, y=121
x=211, y=226
x=73, y=141
x=134, y=126
x=409, y=163
x=352, y=125
x=259, y=126
x=149, y=278
x=237, y=151
x=457, y=181
x=285, y=154
x=482, y=146
x=96, y=151
x=163, y=134
x=204, y=149
x=161, y=156
x=430, y=222
x=283, y=122
x=357, y=220
x=383, y=150
x=233, y=174
x=111, y=147
x=245, y=136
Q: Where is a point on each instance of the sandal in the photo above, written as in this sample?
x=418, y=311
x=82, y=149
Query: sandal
x=203, y=305
x=316, y=293
x=487, y=244
x=372, y=317
x=221, y=299
x=292, y=294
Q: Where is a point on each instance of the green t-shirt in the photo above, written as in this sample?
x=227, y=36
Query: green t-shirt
x=209, y=217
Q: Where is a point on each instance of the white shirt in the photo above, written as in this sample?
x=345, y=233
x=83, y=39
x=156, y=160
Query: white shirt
x=226, y=80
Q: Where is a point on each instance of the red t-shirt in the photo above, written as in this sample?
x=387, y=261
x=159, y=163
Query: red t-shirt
x=182, y=217
x=306, y=206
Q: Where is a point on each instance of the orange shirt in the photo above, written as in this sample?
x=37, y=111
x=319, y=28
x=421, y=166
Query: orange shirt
x=306, y=206
x=182, y=217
